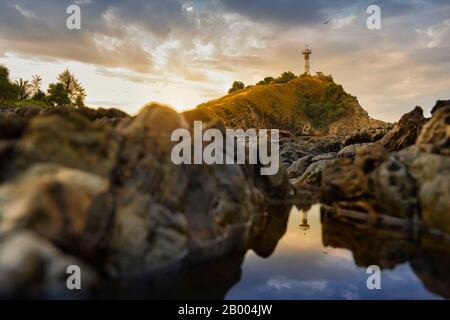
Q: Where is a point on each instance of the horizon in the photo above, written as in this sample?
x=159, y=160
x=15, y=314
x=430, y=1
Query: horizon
x=184, y=53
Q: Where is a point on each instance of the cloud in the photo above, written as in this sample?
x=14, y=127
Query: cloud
x=205, y=45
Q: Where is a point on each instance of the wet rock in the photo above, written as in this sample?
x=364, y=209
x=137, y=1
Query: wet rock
x=406, y=131
x=299, y=166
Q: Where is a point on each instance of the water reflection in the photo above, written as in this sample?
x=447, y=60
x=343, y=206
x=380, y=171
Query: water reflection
x=309, y=254
x=322, y=257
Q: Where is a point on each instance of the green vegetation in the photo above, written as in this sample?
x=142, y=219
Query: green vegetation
x=331, y=106
x=236, y=86
x=321, y=114
x=285, y=77
x=67, y=91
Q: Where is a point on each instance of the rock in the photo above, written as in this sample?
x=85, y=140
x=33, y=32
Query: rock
x=165, y=211
x=31, y=267
x=100, y=186
x=155, y=118
x=71, y=141
x=312, y=175
x=324, y=156
x=376, y=131
x=430, y=173
x=64, y=205
x=349, y=151
x=440, y=104
x=299, y=166
x=343, y=181
x=405, y=132
x=434, y=197
x=293, y=151
x=394, y=189
x=409, y=184
x=145, y=236
x=435, y=135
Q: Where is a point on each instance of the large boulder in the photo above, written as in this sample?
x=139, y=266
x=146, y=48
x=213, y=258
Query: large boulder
x=102, y=188
x=405, y=132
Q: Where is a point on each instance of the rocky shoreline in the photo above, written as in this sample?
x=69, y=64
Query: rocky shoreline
x=96, y=188
x=404, y=174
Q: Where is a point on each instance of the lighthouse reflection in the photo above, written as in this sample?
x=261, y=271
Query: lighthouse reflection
x=304, y=226
x=314, y=254
x=322, y=256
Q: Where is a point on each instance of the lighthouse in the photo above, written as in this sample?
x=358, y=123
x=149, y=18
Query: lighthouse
x=307, y=52
x=304, y=226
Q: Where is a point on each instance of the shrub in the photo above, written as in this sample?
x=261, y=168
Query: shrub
x=285, y=77
x=322, y=113
x=236, y=86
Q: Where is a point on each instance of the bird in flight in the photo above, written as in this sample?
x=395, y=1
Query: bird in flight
x=326, y=22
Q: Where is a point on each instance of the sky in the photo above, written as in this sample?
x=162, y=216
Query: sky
x=182, y=53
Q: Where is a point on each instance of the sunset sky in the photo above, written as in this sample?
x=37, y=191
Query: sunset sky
x=183, y=53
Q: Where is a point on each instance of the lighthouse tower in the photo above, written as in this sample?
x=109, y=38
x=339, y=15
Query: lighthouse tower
x=307, y=52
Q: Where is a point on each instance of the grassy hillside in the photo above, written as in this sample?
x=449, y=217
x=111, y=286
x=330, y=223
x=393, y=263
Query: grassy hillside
x=304, y=105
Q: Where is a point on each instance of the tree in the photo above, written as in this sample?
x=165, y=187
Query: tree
x=35, y=85
x=267, y=80
x=236, y=86
x=8, y=91
x=74, y=89
x=285, y=77
x=39, y=96
x=23, y=89
x=57, y=95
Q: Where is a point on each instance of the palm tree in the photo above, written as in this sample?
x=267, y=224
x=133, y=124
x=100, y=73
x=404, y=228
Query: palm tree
x=23, y=89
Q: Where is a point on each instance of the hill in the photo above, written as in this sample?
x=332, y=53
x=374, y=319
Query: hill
x=311, y=105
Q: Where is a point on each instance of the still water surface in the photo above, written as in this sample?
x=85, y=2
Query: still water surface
x=303, y=268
